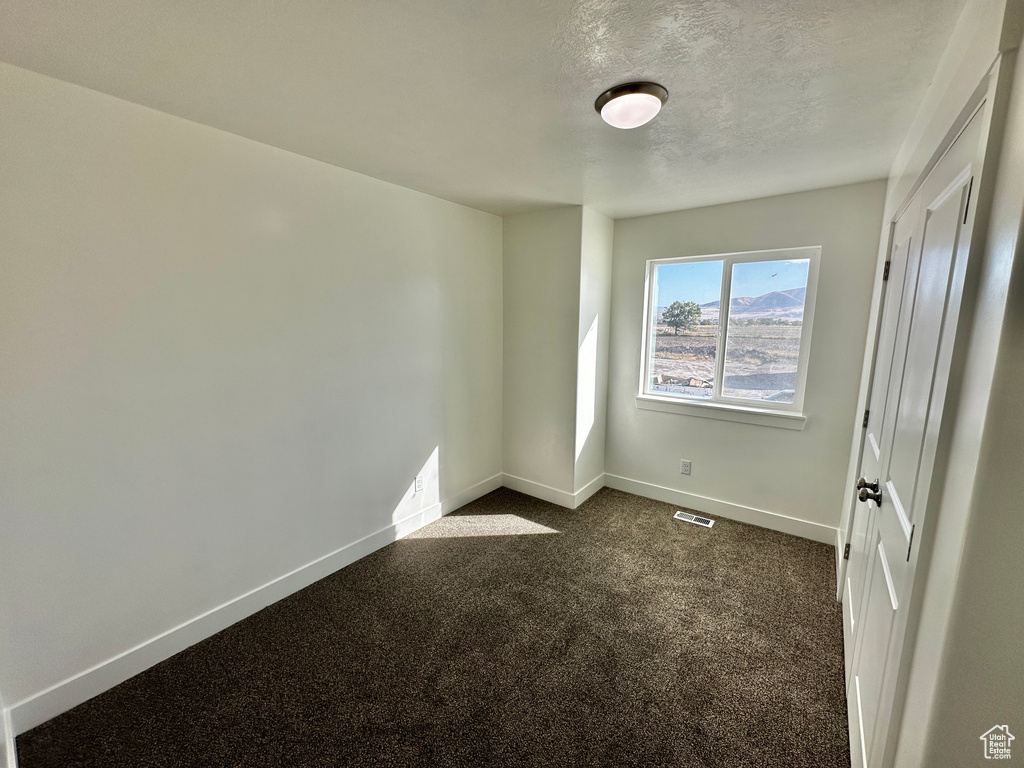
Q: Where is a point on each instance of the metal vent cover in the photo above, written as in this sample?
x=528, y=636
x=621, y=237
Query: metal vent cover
x=696, y=520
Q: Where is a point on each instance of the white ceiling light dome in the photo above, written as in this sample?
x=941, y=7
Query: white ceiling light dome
x=631, y=105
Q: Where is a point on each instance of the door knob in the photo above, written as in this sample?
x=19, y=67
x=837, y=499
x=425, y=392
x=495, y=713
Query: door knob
x=869, y=491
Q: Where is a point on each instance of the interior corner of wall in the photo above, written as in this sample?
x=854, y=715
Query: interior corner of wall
x=1013, y=26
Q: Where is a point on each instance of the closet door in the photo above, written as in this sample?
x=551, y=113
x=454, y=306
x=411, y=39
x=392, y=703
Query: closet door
x=904, y=244
x=899, y=450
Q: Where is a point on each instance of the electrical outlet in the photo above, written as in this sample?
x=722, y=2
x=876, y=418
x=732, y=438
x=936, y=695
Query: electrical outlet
x=419, y=483
x=684, y=467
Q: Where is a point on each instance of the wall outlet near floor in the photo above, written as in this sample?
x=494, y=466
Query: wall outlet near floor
x=684, y=467
x=419, y=483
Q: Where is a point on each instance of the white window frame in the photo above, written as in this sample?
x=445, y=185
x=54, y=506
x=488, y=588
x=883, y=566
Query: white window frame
x=771, y=413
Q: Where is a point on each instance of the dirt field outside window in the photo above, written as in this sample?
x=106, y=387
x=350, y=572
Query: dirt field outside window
x=761, y=361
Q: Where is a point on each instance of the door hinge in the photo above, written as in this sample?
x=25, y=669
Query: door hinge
x=865, y=424
x=885, y=272
x=967, y=206
x=911, y=544
x=846, y=552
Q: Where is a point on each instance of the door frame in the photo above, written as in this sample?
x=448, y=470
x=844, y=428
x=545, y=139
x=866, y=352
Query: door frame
x=985, y=96
x=988, y=102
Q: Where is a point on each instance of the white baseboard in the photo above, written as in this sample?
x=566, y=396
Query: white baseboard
x=588, y=490
x=482, y=488
x=715, y=507
x=8, y=755
x=554, y=495
x=539, y=491
x=40, y=707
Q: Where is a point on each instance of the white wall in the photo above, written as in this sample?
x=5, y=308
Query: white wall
x=745, y=469
x=592, y=342
x=962, y=667
x=541, y=320
x=967, y=672
x=985, y=28
x=557, y=296
x=981, y=677
x=981, y=683
x=222, y=361
x=977, y=37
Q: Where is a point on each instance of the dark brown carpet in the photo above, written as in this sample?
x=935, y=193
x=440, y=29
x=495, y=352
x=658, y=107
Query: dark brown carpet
x=624, y=639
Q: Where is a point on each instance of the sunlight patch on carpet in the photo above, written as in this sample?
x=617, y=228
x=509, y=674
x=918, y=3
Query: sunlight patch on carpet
x=481, y=525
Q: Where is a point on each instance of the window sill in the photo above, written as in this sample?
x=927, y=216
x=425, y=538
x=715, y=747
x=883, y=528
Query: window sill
x=723, y=411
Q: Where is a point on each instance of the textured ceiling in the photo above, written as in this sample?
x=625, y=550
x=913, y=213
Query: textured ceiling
x=490, y=103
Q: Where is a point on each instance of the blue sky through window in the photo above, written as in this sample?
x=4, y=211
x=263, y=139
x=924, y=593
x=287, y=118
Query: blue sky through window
x=701, y=281
x=756, y=278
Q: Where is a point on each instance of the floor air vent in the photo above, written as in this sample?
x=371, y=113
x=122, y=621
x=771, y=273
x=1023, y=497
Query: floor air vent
x=695, y=519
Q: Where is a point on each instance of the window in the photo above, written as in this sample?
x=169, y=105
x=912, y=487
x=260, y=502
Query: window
x=730, y=330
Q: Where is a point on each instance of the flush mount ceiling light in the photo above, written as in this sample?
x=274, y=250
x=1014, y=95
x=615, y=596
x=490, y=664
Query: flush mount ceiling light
x=631, y=105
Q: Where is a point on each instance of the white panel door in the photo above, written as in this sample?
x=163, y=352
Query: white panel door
x=906, y=404
x=888, y=354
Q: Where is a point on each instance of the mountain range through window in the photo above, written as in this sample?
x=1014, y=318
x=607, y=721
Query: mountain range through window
x=762, y=340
